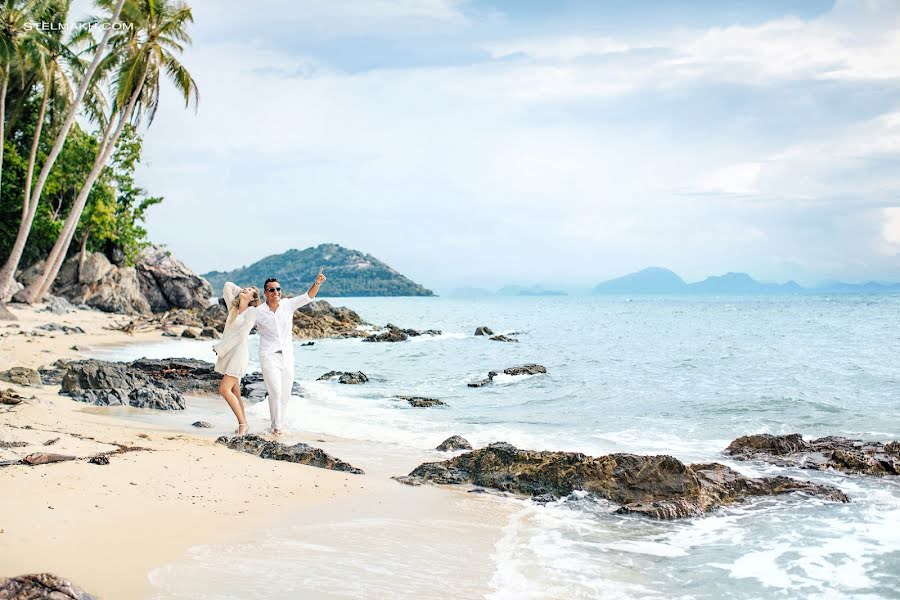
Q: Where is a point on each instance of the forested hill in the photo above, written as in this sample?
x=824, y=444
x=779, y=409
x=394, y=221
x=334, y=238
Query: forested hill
x=349, y=273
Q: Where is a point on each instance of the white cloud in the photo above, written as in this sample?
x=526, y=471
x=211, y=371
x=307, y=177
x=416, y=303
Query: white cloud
x=517, y=166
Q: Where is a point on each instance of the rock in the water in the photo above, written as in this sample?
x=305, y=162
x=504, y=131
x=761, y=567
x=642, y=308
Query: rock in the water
x=484, y=330
x=659, y=486
x=22, y=376
x=838, y=453
x=308, y=344
x=320, y=319
x=421, y=402
x=397, y=334
x=454, y=442
x=202, y=424
x=530, y=369
x=298, y=453
x=168, y=283
x=41, y=586
x=503, y=338
x=107, y=384
x=345, y=377
x=253, y=387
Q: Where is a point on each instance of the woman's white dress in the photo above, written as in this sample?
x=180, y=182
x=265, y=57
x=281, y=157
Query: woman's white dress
x=233, y=351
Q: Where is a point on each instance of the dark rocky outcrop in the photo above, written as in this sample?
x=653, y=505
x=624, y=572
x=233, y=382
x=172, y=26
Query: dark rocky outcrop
x=659, y=486
x=838, y=453
x=454, y=442
x=420, y=402
x=298, y=453
x=503, y=338
x=108, y=384
x=157, y=283
x=397, y=334
x=529, y=369
x=187, y=375
x=253, y=387
x=320, y=319
x=22, y=376
x=41, y=586
x=483, y=330
x=53, y=374
x=344, y=377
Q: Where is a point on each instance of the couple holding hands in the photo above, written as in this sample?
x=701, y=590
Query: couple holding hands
x=274, y=320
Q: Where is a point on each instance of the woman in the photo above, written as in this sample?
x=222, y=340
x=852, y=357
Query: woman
x=233, y=354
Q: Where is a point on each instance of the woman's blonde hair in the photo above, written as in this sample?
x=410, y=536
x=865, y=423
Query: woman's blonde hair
x=236, y=303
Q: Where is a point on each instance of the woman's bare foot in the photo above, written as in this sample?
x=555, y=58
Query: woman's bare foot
x=243, y=428
x=276, y=431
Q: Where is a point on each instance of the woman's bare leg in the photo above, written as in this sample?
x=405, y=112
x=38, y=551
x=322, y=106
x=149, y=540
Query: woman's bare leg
x=226, y=389
x=242, y=418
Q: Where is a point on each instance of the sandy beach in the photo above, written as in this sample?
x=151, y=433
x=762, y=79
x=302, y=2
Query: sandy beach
x=106, y=527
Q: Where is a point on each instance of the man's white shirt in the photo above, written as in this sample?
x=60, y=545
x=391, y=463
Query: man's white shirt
x=276, y=328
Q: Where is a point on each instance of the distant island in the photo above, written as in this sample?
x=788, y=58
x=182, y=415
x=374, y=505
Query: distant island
x=349, y=272
x=656, y=280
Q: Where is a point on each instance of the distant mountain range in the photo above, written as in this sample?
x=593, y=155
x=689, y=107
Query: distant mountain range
x=349, y=273
x=509, y=290
x=655, y=280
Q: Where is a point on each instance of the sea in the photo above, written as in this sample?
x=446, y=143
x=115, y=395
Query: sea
x=679, y=375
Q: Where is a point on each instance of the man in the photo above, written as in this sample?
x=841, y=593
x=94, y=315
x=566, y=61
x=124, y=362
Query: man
x=275, y=323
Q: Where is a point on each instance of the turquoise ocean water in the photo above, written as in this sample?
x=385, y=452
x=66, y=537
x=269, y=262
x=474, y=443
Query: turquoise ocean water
x=674, y=375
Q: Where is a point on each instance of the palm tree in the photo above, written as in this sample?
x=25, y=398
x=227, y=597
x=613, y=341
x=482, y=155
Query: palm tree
x=139, y=57
x=12, y=262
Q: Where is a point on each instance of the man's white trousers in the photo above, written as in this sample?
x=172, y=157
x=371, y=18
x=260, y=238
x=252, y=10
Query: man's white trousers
x=278, y=373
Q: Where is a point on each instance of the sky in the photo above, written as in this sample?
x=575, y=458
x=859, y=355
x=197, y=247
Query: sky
x=562, y=143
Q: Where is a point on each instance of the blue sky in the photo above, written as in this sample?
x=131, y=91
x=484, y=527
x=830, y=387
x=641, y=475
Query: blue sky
x=561, y=143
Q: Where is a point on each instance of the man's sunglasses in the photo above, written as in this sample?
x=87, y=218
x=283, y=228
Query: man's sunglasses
x=270, y=290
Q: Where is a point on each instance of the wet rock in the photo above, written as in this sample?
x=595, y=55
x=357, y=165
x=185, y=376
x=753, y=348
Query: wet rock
x=831, y=452
x=297, y=453
x=66, y=329
x=202, y=424
x=454, y=442
x=308, y=344
x=53, y=374
x=397, y=334
x=543, y=498
x=503, y=338
x=421, y=402
x=41, y=586
x=108, y=384
x=187, y=375
x=345, y=377
x=659, y=486
x=253, y=387
x=22, y=376
x=530, y=369
x=484, y=330
x=191, y=332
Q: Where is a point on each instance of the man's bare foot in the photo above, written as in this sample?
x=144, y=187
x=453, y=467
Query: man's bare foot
x=243, y=428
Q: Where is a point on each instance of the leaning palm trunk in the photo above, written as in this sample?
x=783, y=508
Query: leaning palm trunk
x=28, y=209
x=40, y=286
x=12, y=262
x=3, y=87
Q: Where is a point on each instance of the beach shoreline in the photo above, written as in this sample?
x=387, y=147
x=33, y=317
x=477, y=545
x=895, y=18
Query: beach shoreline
x=107, y=527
